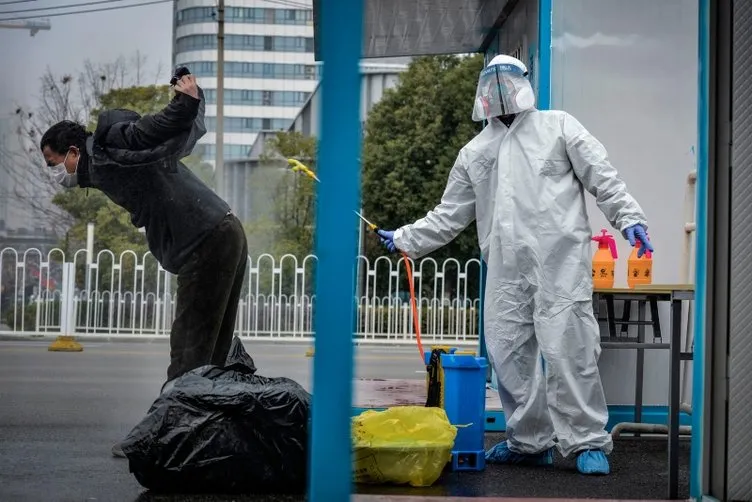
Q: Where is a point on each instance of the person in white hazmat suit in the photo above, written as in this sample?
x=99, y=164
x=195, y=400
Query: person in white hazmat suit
x=522, y=178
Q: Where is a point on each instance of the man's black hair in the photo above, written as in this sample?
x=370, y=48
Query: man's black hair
x=60, y=137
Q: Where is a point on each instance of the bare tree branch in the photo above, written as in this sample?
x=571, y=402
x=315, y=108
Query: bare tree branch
x=61, y=97
x=30, y=186
x=158, y=73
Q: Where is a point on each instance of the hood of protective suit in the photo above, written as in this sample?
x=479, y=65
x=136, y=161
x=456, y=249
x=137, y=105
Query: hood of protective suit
x=503, y=89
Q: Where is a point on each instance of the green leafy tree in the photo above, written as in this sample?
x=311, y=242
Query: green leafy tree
x=203, y=170
x=413, y=136
x=284, y=208
x=293, y=201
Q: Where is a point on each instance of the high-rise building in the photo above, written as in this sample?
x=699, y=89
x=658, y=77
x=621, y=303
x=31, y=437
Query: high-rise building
x=249, y=187
x=269, y=65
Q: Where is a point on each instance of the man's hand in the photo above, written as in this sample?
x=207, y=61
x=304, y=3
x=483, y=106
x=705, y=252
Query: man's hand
x=187, y=85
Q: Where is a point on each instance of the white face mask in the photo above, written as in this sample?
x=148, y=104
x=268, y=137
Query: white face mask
x=62, y=176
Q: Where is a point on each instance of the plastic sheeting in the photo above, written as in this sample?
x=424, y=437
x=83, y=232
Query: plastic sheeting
x=223, y=430
x=402, y=445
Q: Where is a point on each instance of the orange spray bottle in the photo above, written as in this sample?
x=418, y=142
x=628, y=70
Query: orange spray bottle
x=639, y=270
x=604, y=261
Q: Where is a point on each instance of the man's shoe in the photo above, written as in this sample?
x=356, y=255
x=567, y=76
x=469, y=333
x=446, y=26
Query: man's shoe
x=501, y=454
x=592, y=462
x=117, y=450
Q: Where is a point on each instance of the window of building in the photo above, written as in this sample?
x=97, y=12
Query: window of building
x=281, y=124
x=245, y=42
x=196, y=15
x=248, y=124
x=243, y=97
x=231, y=152
x=245, y=15
x=256, y=70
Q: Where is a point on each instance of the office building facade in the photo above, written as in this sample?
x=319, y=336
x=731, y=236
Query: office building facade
x=269, y=65
x=250, y=180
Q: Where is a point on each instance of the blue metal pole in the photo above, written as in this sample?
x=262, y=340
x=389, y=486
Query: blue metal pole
x=545, y=13
x=703, y=152
x=483, y=272
x=482, y=350
x=330, y=471
x=545, y=25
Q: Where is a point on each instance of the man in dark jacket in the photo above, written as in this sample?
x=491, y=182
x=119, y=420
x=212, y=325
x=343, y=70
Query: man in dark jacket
x=191, y=231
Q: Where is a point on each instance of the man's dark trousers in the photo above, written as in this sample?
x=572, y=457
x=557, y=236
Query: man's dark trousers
x=209, y=287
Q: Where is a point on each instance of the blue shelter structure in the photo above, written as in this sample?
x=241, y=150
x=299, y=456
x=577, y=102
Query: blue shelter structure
x=541, y=33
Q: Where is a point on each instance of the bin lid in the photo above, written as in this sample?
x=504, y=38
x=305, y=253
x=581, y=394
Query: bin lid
x=447, y=348
x=468, y=361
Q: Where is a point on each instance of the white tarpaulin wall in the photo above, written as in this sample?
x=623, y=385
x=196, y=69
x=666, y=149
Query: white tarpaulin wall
x=628, y=72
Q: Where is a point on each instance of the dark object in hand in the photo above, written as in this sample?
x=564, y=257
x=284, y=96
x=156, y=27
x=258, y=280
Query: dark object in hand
x=180, y=72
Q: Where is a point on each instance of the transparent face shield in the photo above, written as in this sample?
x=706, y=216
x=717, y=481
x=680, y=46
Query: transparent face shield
x=503, y=89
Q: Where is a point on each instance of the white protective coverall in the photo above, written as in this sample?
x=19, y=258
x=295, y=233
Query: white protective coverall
x=524, y=186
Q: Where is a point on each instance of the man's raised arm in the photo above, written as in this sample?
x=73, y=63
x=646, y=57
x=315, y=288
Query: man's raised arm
x=176, y=118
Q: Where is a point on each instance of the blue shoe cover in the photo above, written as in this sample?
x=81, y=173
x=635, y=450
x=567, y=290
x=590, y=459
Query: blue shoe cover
x=501, y=454
x=592, y=462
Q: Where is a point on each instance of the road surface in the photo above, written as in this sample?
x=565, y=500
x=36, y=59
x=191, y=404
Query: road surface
x=60, y=413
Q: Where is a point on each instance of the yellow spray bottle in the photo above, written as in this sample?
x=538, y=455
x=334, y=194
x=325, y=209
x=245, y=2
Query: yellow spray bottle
x=639, y=270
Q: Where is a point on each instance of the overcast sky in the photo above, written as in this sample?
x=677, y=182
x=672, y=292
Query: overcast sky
x=99, y=36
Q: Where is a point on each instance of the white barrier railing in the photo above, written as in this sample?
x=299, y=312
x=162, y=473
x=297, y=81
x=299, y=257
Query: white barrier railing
x=132, y=295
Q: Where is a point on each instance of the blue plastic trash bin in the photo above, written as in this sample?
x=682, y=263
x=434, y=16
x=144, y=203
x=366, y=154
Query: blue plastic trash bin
x=465, y=406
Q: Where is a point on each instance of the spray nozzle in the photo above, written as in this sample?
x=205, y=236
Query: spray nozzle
x=298, y=166
x=606, y=241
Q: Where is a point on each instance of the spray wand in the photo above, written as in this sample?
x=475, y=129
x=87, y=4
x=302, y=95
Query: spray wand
x=413, y=303
x=299, y=167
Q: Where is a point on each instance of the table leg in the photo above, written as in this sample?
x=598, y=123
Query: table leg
x=655, y=318
x=626, y=316
x=640, y=367
x=597, y=307
x=674, y=399
x=610, y=311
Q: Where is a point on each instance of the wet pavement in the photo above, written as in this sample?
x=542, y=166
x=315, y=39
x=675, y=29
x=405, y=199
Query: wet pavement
x=60, y=413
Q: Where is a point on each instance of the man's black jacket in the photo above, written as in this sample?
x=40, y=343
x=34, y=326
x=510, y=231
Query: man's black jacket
x=135, y=161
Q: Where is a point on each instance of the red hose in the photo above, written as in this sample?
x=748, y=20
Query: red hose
x=414, y=305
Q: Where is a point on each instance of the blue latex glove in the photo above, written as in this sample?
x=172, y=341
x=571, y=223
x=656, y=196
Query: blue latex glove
x=387, y=239
x=638, y=232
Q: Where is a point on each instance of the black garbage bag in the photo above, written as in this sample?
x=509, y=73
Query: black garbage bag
x=223, y=430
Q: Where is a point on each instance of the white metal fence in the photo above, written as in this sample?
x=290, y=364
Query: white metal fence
x=130, y=294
